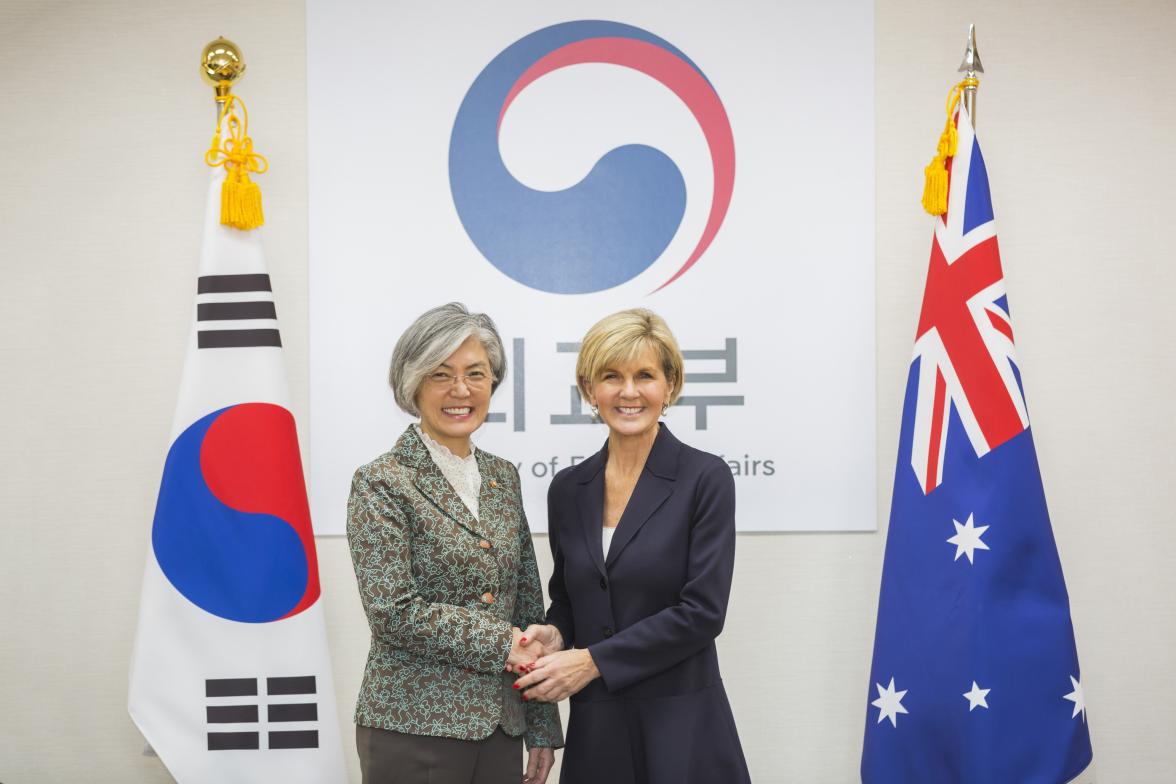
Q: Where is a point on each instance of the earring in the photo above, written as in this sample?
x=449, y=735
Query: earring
x=595, y=411
x=665, y=408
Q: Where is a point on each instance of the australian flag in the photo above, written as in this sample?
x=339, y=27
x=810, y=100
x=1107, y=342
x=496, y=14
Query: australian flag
x=975, y=676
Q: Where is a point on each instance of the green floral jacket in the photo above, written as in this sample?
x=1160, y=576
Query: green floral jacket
x=441, y=591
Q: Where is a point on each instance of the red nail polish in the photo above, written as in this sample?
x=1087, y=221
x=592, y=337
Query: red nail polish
x=523, y=640
x=515, y=686
x=524, y=698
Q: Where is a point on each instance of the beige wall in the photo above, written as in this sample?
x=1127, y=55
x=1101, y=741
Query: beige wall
x=102, y=124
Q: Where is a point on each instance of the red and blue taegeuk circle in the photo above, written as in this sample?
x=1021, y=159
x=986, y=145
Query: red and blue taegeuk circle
x=232, y=527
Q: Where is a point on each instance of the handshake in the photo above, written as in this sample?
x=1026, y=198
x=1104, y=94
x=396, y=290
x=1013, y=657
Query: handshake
x=528, y=645
x=547, y=672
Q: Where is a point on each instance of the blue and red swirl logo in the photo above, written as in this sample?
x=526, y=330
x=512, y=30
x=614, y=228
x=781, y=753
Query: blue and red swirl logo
x=615, y=222
x=232, y=527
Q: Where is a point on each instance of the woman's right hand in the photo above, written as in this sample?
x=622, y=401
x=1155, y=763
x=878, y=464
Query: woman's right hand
x=522, y=654
x=546, y=635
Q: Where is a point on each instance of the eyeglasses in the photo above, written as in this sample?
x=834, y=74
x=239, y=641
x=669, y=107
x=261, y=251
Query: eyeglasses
x=475, y=379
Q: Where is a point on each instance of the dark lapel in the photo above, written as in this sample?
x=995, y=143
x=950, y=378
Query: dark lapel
x=590, y=501
x=653, y=488
x=411, y=451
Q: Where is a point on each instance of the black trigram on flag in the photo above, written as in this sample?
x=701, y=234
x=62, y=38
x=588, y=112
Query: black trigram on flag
x=235, y=298
x=246, y=709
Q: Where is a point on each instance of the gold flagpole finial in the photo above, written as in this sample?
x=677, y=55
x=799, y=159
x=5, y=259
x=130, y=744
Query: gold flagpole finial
x=221, y=65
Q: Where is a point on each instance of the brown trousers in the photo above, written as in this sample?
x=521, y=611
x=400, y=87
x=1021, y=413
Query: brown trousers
x=387, y=757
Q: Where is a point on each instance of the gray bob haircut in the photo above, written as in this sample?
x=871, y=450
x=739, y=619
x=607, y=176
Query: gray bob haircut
x=430, y=340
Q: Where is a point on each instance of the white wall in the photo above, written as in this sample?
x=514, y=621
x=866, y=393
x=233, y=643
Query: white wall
x=103, y=122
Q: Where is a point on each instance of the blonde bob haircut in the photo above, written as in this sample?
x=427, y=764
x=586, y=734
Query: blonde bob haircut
x=619, y=338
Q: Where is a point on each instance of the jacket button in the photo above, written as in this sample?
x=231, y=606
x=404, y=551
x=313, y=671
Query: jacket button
x=484, y=544
x=488, y=598
x=493, y=483
x=603, y=584
x=608, y=632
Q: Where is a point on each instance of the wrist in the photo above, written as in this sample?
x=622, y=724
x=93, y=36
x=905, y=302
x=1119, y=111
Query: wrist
x=590, y=664
x=512, y=649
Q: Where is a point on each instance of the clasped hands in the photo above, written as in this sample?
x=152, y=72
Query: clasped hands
x=548, y=672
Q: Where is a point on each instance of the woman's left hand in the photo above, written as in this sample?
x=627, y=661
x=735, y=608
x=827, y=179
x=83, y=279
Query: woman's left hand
x=539, y=762
x=558, y=676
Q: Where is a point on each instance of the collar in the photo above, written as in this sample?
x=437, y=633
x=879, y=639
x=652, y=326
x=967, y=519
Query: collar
x=662, y=460
x=436, y=447
x=410, y=451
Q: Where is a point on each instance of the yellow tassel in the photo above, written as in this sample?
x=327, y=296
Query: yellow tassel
x=241, y=201
x=935, y=187
x=240, y=196
x=949, y=140
x=935, y=179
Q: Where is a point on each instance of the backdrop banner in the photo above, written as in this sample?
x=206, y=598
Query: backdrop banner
x=550, y=165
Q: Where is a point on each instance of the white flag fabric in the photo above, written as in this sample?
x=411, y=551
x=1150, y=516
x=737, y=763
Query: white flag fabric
x=230, y=675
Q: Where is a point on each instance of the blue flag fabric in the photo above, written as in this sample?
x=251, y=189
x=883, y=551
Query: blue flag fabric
x=975, y=676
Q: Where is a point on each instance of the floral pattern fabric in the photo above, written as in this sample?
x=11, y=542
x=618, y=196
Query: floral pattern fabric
x=441, y=590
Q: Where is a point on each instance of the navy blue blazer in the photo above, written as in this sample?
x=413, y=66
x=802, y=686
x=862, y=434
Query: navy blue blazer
x=649, y=615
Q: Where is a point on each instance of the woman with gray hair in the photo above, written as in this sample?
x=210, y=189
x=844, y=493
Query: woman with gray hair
x=447, y=576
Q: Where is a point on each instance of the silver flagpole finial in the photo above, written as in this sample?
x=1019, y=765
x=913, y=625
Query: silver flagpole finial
x=969, y=68
x=971, y=64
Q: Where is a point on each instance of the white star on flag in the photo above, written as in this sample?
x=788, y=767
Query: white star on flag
x=976, y=697
x=889, y=703
x=967, y=539
x=1078, y=698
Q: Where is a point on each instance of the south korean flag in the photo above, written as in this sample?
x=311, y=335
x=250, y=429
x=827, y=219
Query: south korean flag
x=231, y=676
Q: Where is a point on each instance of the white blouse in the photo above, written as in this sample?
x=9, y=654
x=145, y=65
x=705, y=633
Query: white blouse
x=461, y=472
x=606, y=538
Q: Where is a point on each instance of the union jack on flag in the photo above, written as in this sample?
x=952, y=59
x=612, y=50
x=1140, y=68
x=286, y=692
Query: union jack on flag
x=964, y=342
x=975, y=677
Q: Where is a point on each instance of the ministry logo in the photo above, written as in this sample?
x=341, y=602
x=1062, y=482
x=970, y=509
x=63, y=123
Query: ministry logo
x=615, y=222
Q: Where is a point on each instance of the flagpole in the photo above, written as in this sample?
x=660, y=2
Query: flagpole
x=221, y=65
x=969, y=68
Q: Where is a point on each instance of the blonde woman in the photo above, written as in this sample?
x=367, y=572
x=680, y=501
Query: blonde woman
x=447, y=575
x=643, y=539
